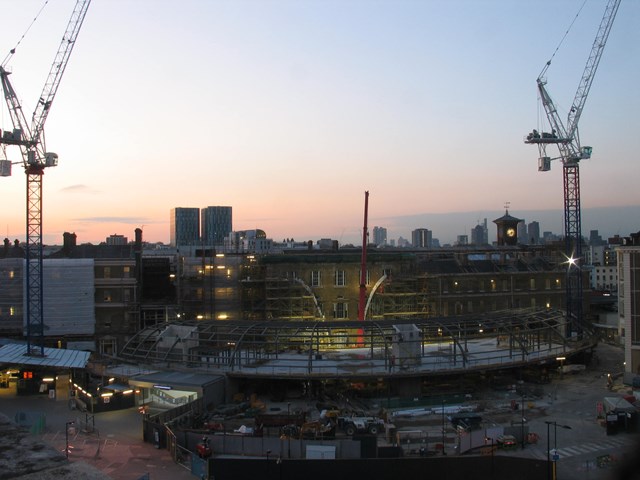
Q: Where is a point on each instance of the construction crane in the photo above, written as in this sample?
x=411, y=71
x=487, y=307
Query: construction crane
x=567, y=139
x=35, y=158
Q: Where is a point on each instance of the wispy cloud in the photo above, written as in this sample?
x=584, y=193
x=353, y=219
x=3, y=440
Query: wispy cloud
x=126, y=220
x=79, y=188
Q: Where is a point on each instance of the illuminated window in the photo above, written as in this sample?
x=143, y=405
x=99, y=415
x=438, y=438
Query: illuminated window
x=126, y=272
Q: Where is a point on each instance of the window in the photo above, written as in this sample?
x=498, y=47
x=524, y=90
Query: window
x=341, y=278
x=367, y=281
x=315, y=278
x=126, y=272
x=107, y=296
x=106, y=273
x=108, y=346
x=387, y=272
x=340, y=310
x=126, y=294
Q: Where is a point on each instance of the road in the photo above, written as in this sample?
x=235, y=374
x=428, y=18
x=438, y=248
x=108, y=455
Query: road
x=571, y=402
x=115, y=447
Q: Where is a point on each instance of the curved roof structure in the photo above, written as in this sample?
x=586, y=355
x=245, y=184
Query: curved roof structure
x=279, y=349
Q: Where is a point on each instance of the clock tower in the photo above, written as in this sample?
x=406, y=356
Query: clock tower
x=507, y=229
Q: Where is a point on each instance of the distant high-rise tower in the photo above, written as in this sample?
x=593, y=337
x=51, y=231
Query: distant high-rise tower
x=216, y=225
x=523, y=237
x=185, y=226
x=533, y=233
x=477, y=235
x=379, y=236
x=117, y=240
x=421, y=238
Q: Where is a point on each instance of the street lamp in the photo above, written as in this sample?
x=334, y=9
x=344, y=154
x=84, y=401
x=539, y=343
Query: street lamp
x=486, y=439
x=66, y=437
x=522, y=422
x=443, y=452
x=561, y=360
x=289, y=435
x=551, y=475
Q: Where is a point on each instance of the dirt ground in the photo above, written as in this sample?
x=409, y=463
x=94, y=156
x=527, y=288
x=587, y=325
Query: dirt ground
x=27, y=457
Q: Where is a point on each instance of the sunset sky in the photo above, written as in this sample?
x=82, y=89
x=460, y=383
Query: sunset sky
x=288, y=110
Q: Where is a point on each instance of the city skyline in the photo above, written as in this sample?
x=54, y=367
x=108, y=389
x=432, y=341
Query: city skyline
x=288, y=111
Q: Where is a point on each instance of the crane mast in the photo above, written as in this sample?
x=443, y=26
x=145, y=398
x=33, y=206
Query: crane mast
x=35, y=159
x=567, y=139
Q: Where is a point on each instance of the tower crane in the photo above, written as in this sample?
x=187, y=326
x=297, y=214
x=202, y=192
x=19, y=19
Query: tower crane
x=567, y=140
x=35, y=158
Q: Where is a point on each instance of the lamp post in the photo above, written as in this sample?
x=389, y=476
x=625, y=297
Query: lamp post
x=486, y=439
x=522, y=423
x=66, y=438
x=561, y=360
x=551, y=467
x=443, y=452
x=289, y=436
x=267, y=469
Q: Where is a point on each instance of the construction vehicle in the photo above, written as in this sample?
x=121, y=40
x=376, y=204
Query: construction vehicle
x=203, y=449
x=317, y=430
x=288, y=423
x=567, y=139
x=309, y=430
x=35, y=158
x=353, y=425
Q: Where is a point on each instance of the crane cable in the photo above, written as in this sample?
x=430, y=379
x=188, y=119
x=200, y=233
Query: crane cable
x=13, y=50
x=546, y=66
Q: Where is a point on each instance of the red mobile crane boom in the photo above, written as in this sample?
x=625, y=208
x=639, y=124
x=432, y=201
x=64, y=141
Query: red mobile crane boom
x=363, y=264
x=35, y=159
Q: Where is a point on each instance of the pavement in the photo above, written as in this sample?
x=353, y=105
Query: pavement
x=583, y=448
x=112, y=446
